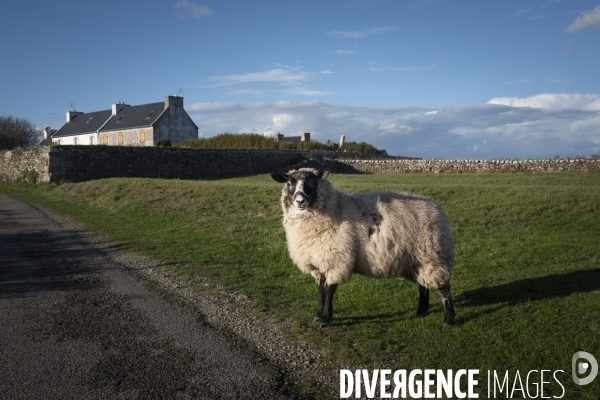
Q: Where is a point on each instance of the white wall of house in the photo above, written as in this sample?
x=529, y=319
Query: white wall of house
x=83, y=139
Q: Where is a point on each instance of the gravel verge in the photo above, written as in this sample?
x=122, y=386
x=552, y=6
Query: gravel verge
x=231, y=313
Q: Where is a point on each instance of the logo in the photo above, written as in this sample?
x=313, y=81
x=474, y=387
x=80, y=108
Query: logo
x=582, y=367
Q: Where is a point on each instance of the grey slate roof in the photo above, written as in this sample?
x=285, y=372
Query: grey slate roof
x=84, y=123
x=127, y=118
x=135, y=116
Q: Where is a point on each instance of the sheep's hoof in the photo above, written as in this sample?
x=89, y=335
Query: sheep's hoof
x=324, y=320
x=316, y=319
x=421, y=314
x=448, y=321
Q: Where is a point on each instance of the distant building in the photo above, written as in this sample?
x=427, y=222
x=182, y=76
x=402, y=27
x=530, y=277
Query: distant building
x=48, y=132
x=304, y=137
x=125, y=125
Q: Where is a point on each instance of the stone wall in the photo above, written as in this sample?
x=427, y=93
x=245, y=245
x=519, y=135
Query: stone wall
x=81, y=163
x=25, y=165
x=473, y=166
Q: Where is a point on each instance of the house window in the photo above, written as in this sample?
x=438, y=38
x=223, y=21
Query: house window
x=142, y=137
x=75, y=141
x=120, y=138
x=105, y=139
x=91, y=140
x=149, y=115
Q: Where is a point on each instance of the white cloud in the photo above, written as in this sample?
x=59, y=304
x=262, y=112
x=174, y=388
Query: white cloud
x=521, y=12
x=362, y=33
x=553, y=101
x=243, y=92
x=275, y=75
x=345, y=52
x=493, y=130
x=401, y=69
x=586, y=21
x=518, y=81
x=218, y=106
x=189, y=9
x=306, y=92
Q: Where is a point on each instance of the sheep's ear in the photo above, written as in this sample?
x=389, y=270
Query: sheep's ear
x=280, y=177
x=323, y=174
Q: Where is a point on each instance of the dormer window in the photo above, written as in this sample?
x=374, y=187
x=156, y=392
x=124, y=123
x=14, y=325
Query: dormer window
x=150, y=115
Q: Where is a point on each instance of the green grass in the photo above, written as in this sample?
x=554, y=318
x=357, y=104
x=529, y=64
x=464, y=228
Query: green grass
x=527, y=264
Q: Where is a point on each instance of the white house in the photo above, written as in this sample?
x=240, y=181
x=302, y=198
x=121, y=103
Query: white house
x=125, y=125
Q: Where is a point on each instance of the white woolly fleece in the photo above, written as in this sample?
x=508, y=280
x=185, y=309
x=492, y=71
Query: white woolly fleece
x=373, y=234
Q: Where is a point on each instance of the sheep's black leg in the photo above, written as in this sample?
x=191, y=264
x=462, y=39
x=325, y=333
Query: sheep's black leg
x=321, y=299
x=423, y=302
x=327, y=305
x=446, y=299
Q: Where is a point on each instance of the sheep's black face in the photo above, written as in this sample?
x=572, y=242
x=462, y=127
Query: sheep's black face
x=301, y=187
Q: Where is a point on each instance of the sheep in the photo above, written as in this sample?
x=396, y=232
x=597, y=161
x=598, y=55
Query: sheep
x=332, y=235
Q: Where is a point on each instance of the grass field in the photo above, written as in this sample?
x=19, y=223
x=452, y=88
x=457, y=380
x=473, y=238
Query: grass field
x=526, y=275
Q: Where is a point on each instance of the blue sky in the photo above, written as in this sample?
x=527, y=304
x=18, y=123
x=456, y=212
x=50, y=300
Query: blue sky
x=432, y=79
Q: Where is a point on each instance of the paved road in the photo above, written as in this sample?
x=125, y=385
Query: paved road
x=76, y=325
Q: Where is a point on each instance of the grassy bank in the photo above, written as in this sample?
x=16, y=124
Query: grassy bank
x=526, y=276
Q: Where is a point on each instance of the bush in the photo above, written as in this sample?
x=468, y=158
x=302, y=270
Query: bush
x=29, y=176
x=163, y=143
x=17, y=132
x=361, y=147
x=311, y=145
x=232, y=141
x=285, y=146
x=258, y=141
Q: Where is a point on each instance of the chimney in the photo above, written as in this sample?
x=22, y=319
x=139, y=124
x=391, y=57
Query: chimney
x=118, y=107
x=278, y=136
x=342, y=139
x=173, y=101
x=305, y=137
x=72, y=114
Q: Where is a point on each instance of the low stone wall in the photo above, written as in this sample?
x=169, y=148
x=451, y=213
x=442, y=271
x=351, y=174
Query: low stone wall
x=29, y=165
x=82, y=163
x=473, y=166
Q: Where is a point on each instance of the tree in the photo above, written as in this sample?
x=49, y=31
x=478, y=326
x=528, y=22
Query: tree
x=17, y=132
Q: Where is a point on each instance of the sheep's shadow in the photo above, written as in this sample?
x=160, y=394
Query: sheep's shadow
x=534, y=289
x=351, y=320
x=494, y=297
